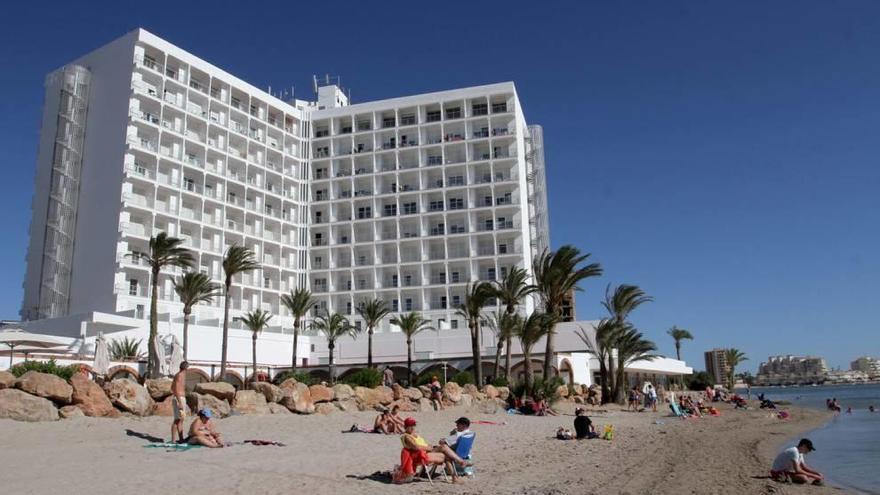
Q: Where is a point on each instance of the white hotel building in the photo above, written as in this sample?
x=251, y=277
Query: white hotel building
x=407, y=199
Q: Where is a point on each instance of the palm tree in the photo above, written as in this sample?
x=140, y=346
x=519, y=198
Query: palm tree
x=125, y=349
x=503, y=325
x=256, y=321
x=510, y=291
x=373, y=312
x=529, y=331
x=733, y=358
x=193, y=288
x=679, y=334
x=476, y=297
x=298, y=302
x=631, y=347
x=238, y=259
x=333, y=326
x=557, y=273
x=164, y=252
x=601, y=347
x=619, y=304
x=410, y=324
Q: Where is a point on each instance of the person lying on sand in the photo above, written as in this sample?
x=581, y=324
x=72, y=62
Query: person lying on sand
x=202, y=432
x=789, y=465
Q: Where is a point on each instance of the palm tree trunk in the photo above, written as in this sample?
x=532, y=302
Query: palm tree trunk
x=622, y=386
x=527, y=364
x=295, y=338
x=612, y=378
x=603, y=380
x=678, y=350
x=330, y=345
x=254, y=354
x=185, y=334
x=409, y=361
x=507, y=361
x=475, y=349
x=549, y=352
x=223, y=347
x=370, y=347
x=152, y=358
x=498, y=358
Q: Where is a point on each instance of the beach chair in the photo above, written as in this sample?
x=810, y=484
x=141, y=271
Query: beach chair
x=676, y=411
x=463, y=449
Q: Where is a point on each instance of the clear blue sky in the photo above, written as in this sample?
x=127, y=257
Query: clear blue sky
x=722, y=155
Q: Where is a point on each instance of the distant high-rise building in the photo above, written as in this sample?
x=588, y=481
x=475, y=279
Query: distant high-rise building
x=716, y=365
x=867, y=365
x=783, y=370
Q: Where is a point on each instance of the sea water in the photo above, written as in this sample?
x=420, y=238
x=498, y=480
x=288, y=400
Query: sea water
x=848, y=446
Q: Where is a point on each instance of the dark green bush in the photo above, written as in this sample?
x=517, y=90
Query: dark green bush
x=367, y=377
x=49, y=366
x=426, y=380
x=300, y=376
x=698, y=381
x=499, y=381
x=547, y=388
x=463, y=378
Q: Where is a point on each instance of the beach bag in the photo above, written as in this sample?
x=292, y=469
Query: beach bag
x=608, y=434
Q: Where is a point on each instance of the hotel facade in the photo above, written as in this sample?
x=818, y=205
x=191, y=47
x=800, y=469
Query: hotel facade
x=406, y=199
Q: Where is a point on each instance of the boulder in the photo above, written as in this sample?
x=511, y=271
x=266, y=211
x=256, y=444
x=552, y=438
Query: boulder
x=369, y=398
x=412, y=394
x=220, y=390
x=347, y=405
x=452, y=392
x=426, y=391
x=158, y=388
x=490, y=391
x=425, y=405
x=406, y=405
x=343, y=391
x=7, y=380
x=298, y=398
x=129, y=396
x=562, y=391
x=250, y=402
x=490, y=406
x=578, y=399
x=164, y=408
x=320, y=393
x=503, y=393
x=278, y=409
x=90, y=397
x=289, y=383
x=270, y=392
x=324, y=408
x=397, y=391
x=45, y=385
x=218, y=407
x=470, y=388
x=21, y=406
x=467, y=400
x=70, y=412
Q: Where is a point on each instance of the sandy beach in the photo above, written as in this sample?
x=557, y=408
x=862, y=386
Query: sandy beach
x=727, y=454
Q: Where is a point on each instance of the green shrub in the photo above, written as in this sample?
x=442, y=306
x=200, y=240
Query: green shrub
x=426, y=380
x=300, y=376
x=65, y=372
x=463, y=378
x=125, y=349
x=548, y=389
x=367, y=377
x=698, y=381
x=499, y=381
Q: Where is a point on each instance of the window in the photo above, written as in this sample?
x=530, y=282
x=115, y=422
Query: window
x=456, y=301
x=435, y=206
x=453, y=113
x=365, y=212
x=395, y=304
x=139, y=311
x=480, y=109
x=390, y=210
x=407, y=120
x=433, y=116
x=499, y=107
x=133, y=287
x=456, y=203
x=502, y=248
x=456, y=180
x=456, y=278
x=388, y=122
x=319, y=262
x=408, y=304
x=453, y=323
x=410, y=208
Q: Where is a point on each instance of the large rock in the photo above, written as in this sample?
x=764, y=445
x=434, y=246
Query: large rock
x=289, y=383
x=562, y=391
x=425, y=404
x=412, y=394
x=369, y=398
x=220, y=390
x=45, y=385
x=271, y=392
x=90, y=397
x=452, y=392
x=320, y=393
x=250, y=402
x=70, y=412
x=347, y=405
x=324, y=408
x=129, y=396
x=426, y=391
x=278, y=409
x=7, y=380
x=164, y=407
x=218, y=407
x=406, y=405
x=470, y=388
x=503, y=393
x=490, y=391
x=467, y=400
x=158, y=388
x=298, y=398
x=21, y=406
x=343, y=391
x=490, y=406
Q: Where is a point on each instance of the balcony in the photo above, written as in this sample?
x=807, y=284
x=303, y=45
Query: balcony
x=499, y=108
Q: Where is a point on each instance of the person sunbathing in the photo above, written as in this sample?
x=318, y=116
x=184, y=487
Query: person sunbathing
x=542, y=409
x=202, y=431
x=384, y=423
x=395, y=419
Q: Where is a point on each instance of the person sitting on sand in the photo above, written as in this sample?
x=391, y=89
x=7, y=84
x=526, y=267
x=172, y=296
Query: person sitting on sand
x=583, y=427
x=383, y=423
x=563, y=434
x=395, y=419
x=202, y=432
x=542, y=409
x=789, y=465
x=436, y=393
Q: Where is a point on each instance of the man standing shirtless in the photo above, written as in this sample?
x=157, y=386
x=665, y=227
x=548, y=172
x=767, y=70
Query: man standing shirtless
x=178, y=403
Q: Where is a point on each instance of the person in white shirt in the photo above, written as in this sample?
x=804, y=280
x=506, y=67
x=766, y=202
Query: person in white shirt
x=790, y=465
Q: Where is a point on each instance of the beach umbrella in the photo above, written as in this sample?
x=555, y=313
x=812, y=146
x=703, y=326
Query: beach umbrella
x=176, y=355
x=159, y=346
x=16, y=337
x=102, y=356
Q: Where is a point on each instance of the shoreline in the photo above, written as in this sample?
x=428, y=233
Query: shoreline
x=651, y=453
